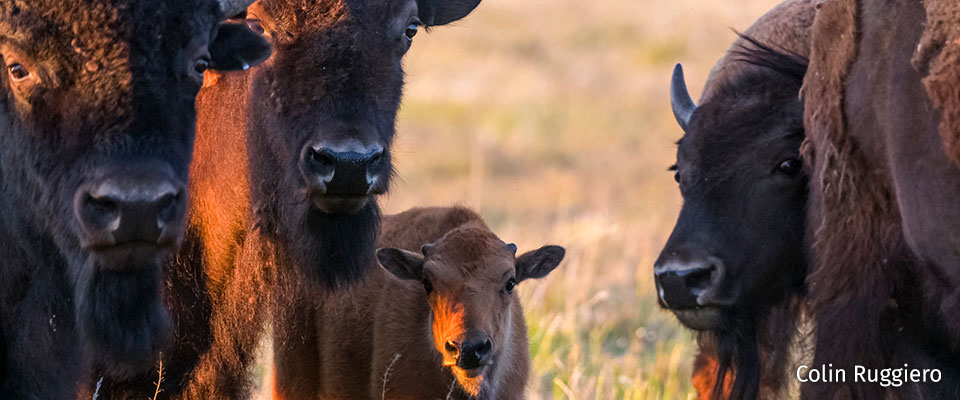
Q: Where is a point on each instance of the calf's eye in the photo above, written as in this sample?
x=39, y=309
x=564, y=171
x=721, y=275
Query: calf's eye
x=512, y=283
x=791, y=167
x=18, y=72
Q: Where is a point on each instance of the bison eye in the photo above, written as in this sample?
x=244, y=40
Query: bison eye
x=201, y=66
x=511, y=283
x=18, y=72
x=791, y=167
x=411, y=31
x=427, y=285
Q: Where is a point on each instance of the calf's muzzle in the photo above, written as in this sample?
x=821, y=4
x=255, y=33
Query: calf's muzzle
x=469, y=355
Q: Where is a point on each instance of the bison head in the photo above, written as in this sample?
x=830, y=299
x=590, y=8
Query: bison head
x=738, y=249
x=739, y=238
x=323, y=121
x=96, y=133
x=469, y=277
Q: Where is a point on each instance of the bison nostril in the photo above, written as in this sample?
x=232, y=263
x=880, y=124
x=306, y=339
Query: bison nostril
x=100, y=212
x=375, y=158
x=484, y=349
x=451, y=348
x=103, y=206
x=320, y=157
x=168, y=208
x=698, y=279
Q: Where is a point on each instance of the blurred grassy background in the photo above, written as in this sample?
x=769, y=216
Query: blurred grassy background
x=552, y=118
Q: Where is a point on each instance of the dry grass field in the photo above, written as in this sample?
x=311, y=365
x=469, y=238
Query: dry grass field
x=552, y=118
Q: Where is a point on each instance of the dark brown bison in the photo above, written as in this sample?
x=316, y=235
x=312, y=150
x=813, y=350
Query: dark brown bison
x=440, y=320
x=321, y=124
x=734, y=266
x=290, y=157
x=96, y=136
x=882, y=124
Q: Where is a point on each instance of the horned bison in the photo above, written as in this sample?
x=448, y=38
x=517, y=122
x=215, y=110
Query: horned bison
x=734, y=266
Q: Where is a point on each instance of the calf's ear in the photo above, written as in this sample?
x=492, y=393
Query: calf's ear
x=401, y=263
x=538, y=263
x=442, y=12
x=237, y=48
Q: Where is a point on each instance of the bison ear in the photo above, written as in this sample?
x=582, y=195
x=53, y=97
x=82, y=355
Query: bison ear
x=442, y=12
x=237, y=48
x=539, y=263
x=401, y=263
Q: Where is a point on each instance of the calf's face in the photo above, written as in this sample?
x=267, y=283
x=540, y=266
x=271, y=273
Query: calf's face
x=96, y=134
x=469, y=278
x=738, y=243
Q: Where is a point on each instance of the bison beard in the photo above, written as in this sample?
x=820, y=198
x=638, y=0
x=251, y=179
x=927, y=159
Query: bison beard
x=121, y=316
x=737, y=351
x=332, y=249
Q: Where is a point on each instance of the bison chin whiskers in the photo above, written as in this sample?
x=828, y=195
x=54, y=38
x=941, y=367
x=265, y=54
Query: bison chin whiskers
x=121, y=317
x=331, y=250
x=738, y=353
x=470, y=386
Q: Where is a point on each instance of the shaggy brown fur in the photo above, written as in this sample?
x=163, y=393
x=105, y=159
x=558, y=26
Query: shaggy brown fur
x=938, y=57
x=883, y=291
x=387, y=337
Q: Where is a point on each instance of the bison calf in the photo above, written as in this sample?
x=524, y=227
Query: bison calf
x=445, y=319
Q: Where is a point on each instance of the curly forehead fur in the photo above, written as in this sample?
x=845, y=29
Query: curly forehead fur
x=104, y=48
x=297, y=16
x=470, y=247
x=344, y=39
x=104, y=29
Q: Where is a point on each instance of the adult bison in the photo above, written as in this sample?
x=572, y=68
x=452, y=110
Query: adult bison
x=734, y=266
x=883, y=128
x=96, y=135
x=290, y=157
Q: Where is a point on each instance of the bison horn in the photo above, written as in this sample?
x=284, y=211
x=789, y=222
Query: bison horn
x=683, y=105
x=233, y=7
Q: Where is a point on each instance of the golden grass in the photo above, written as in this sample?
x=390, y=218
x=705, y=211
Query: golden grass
x=552, y=118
